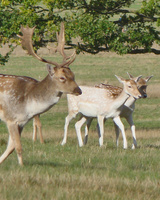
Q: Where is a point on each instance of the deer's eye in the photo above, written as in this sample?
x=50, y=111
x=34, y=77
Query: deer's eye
x=62, y=79
x=130, y=86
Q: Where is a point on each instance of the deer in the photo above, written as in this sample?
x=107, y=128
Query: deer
x=127, y=110
x=102, y=104
x=22, y=98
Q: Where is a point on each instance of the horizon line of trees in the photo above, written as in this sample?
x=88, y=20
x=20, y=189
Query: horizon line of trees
x=99, y=25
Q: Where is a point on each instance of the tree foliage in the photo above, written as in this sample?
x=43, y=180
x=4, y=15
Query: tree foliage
x=97, y=25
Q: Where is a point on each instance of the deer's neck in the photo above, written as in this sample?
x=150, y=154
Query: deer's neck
x=123, y=97
x=130, y=101
x=118, y=103
x=45, y=89
x=43, y=96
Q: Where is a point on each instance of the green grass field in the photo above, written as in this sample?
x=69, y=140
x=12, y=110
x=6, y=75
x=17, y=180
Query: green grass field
x=52, y=171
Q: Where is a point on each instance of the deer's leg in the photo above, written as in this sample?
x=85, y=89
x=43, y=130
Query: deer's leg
x=100, y=128
x=13, y=143
x=67, y=121
x=119, y=123
x=15, y=132
x=78, y=126
x=117, y=133
x=131, y=123
x=34, y=130
x=10, y=148
x=37, y=124
x=89, y=120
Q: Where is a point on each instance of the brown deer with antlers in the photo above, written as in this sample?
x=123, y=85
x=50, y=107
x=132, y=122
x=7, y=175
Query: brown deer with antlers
x=22, y=98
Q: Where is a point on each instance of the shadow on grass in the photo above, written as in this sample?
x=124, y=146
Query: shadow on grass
x=152, y=146
x=73, y=165
x=42, y=163
x=148, y=146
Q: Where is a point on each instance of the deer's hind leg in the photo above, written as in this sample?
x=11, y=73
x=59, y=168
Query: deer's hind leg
x=78, y=126
x=37, y=125
x=69, y=117
x=89, y=121
x=100, y=128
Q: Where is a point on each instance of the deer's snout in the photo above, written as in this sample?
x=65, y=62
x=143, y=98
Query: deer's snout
x=77, y=91
x=145, y=96
x=138, y=96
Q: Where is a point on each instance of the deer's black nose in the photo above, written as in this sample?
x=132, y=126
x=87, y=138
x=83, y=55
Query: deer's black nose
x=77, y=91
x=145, y=96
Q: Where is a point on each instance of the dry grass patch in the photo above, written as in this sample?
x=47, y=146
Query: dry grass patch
x=153, y=91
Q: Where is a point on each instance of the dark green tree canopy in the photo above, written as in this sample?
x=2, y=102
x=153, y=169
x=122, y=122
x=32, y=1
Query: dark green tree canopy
x=122, y=26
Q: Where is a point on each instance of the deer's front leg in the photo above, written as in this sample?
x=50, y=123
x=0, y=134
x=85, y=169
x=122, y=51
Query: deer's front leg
x=10, y=148
x=131, y=123
x=117, y=133
x=118, y=122
x=15, y=133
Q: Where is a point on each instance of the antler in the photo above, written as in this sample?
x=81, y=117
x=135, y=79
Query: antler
x=61, y=44
x=27, y=44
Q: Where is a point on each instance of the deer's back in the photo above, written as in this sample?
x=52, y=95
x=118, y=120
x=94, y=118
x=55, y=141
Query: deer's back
x=91, y=102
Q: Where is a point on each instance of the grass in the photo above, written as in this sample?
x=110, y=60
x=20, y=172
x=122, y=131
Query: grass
x=52, y=171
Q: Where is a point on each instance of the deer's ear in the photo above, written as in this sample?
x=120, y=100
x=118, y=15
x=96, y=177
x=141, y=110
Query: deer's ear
x=130, y=76
x=50, y=70
x=137, y=78
x=120, y=78
x=148, y=78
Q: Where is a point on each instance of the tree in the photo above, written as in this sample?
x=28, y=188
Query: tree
x=98, y=25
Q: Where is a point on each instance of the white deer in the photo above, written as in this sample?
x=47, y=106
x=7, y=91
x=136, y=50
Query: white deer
x=22, y=98
x=100, y=103
x=128, y=108
x=126, y=112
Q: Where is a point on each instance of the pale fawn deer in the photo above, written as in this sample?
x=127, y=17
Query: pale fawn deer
x=100, y=103
x=127, y=110
x=22, y=98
